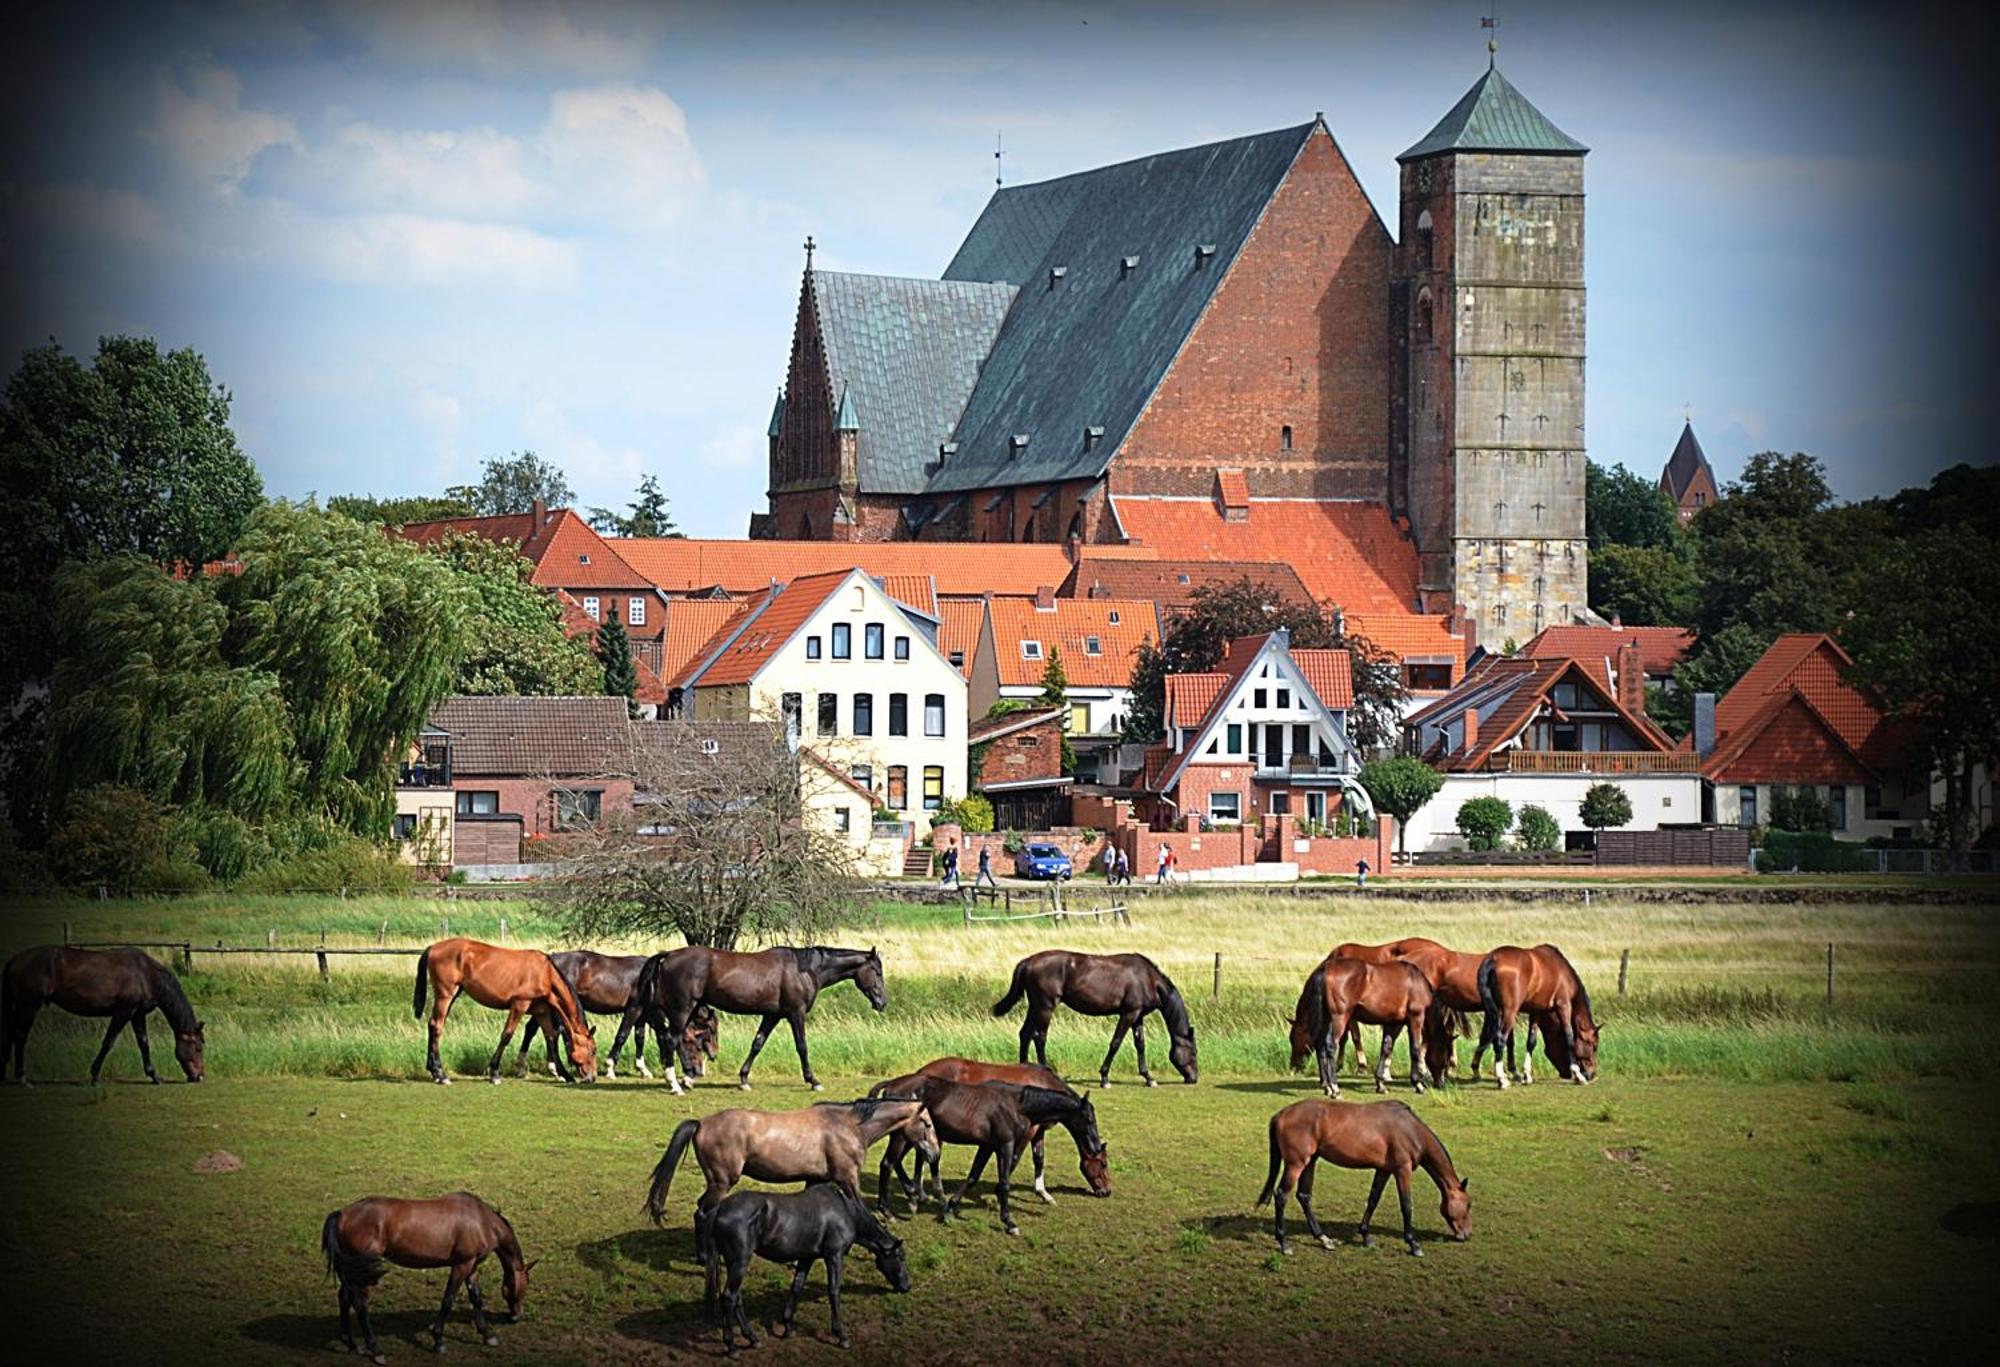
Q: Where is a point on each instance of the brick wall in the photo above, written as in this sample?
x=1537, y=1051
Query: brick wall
x=1032, y=752
x=534, y=801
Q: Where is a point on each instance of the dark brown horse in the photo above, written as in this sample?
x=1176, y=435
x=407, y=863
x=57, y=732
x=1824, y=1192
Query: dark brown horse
x=777, y=984
x=1386, y=1136
x=1340, y=992
x=1541, y=982
x=517, y=981
x=820, y=1223
x=1096, y=1167
x=1128, y=986
x=604, y=983
x=124, y=984
x=455, y=1231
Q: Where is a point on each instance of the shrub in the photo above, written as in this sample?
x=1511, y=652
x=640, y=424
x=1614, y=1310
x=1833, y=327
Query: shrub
x=1799, y=809
x=348, y=862
x=973, y=813
x=1537, y=829
x=1605, y=804
x=1483, y=820
x=1810, y=852
x=174, y=874
x=222, y=844
x=108, y=835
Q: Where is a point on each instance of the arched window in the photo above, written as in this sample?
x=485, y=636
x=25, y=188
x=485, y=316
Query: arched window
x=1423, y=317
x=1285, y=438
x=1424, y=240
x=805, y=529
x=1076, y=527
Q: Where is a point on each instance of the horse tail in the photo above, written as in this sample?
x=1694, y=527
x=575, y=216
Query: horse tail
x=663, y=1171
x=1313, y=1013
x=1489, y=1000
x=1277, y=1163
x=349, y=1269
x=645, y=989
x=1456, y=1021
x=423, y=984
x=1016, y=989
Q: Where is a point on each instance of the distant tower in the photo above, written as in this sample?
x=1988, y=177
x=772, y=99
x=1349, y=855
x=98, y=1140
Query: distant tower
x=1488, y=450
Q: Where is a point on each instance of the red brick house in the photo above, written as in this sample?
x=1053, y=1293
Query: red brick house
x=1017, y=765
x=524, y=769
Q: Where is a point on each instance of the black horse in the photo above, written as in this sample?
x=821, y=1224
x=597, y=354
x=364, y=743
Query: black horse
x=1001, y=1119
x=124, y=984
x=1127, y=986
x=821, y=1222
x=777, y=984
x=605, y=983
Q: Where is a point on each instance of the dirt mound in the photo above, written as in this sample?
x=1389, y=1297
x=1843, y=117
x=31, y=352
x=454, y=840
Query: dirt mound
x=218, y=1160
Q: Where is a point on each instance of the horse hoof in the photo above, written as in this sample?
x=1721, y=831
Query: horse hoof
x=817, y=1088
x=492, y=1340
x=493, y=1078
x=1285, y=1249
x=1014, y=1231
x=742, y=1086
x=378, y=1359
x=1151, y=1083
x=1416, y=1252
x=1327, y=1243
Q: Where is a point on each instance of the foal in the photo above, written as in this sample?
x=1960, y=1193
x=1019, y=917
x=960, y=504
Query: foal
x=455, y=1231
x=1341, y=991
x=822, y=1222
x=1386, y=1136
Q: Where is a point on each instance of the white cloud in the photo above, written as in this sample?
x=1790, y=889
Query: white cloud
x=413, y=249
x=506, y=37
x=468, y=173
x=598, y=471
x=736, y=448
x=202, y=125
x=624, y=151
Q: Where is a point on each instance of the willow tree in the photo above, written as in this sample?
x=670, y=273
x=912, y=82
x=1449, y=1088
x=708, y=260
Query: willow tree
x=515, y=640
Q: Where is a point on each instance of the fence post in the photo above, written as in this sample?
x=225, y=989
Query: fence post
x=320, y=954
x=187, y=958
x=65, y=932
x=1624, y=963
x=382, y=935
x=270, y=939
x=1215, y=992
x=1829, y=970
x=503, y=927
x=446, y=923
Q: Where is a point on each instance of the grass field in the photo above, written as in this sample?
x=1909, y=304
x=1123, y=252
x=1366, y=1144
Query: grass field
x=1758, y=1173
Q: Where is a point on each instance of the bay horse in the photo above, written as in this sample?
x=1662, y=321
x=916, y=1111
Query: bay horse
x=1454, y=979
x=823, y=1143
x=778, y=984
x=604, y=983
x=1128, y=986
x=517, y=981
x=124, y=984
x=820, y=1223
x=456, y=1231
x=1387, y=1136
x=999, y=1118
x=1340, y=992
x=1096, y=1167
x=1542, y=982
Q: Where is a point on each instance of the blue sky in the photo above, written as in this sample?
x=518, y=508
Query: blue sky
x=410, y=237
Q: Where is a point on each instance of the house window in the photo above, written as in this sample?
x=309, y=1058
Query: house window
x=1031, y=650
x=1260, y=698
x=1423, y=317
x=1424, y=239
x=1093, y=645
x=842, y=819
x=590, y=608
x=635, y=611
x=1284, y=438
x=933, y=787
x=902, y=647
x=1836, y=806
x=829, y=714
x=863, y=774
x=1235, y=738
x=864, y=714
x=1113, y=617
x=957, y=658
x=406, y=825
x=478, y=803
x=843, y=641
x=1225, y=807
x=1281, y=804
x=899, y=787
x=812, y=647
x=1746, y=807
x=1284, y=699
x=871, y=641
x=934, y=714
x=1302, y=741
x=899, y=714
x=579, y=806
x=1079, y=718
x=792, y=706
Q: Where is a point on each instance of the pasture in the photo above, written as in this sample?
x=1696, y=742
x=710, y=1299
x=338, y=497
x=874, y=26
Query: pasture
x=1758, y=1172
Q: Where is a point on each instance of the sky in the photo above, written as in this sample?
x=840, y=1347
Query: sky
x=409, y=237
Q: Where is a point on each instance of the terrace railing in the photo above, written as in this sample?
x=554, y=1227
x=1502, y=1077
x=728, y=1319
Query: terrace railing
x=1593, y=762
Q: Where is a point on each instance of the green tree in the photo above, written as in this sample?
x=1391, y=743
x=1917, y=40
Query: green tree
x=512, y=483
x=516, y=641
x=648, y=515
x=1483, y=821
x=1055, y=693
x=1771, y=555
x=1799, y=809
x=399, y=512
x=1645, y=586
x=1624, y=509
x=1605, y=804
x=1714, y=667
x=132, y=454
x=1537, y=829
x=973, y=813
x=621, y=677
x=1400, y=786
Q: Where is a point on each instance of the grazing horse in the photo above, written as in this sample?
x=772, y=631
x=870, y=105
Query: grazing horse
x=1541, y=982
x=517, y=981
x=824, y=1143
x=1341, y=991
x=822, y=1222
x=455, y=1231
x=124, y=984
x=777, y=984
x=1127, y=986
x=604, y=983
x=1096, y=1167
x=999, y=1118
x=1386, y=1136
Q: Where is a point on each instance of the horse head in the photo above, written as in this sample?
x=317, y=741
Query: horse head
x=188, y=1052
x=1096, y=1169
x=703, y=1039
x=514, y=1285
x=868, y=977
x=1583, y=1068
x=1457, y=1211
x=895, y=1268
x=1182, y=1055
x=583, y=1053
x=923, y=1133
x=1303, y=1044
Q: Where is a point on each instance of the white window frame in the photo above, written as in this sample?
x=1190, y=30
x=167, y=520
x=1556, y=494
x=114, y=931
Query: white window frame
x=635, y=611
x=1235, y=812
x=591, y=608
x=1031, y=650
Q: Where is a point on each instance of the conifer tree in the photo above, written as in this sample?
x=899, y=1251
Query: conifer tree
x=621, y=677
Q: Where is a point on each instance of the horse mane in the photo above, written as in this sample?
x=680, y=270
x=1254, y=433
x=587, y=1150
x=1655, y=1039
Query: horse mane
x=864, y=1108
x=576, y=1002
x=1582, y=992
x=174, y=1004
x=1173, y=1008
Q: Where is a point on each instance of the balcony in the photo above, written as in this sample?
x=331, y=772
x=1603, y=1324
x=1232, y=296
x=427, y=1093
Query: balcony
x=1305, y=769
x=1593, y=762
x=430, y=767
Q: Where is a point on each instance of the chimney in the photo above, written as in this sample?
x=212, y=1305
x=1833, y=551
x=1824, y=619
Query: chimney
x=1631, y=679
x=1471, y=723
x=1617, y=621
x=539, y=511
x=1704, y=724
x=1097, y=589
x=1045, y=598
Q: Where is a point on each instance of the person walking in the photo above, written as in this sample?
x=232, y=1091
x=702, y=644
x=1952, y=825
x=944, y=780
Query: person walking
x=1122, y=871
x=950, y=879
x=1166, y=861
x=1110, y=863
x=1361, y=873
x=986, y=869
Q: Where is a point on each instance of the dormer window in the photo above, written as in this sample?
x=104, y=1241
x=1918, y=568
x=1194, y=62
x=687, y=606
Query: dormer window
x=1031, y=650
x=1093, y=645
x=583, y=560
x=1114, y=617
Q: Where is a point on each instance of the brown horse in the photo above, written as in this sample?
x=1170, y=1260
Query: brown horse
x=824, y=1143
x=1096, y=1167
x=517, y=981
x=777, y=984
x=124, y=984
x=1386, y=1136
x=1454, y=978
x=1341, y=991
x=1541, y=982
x=604, y=983
x=455, y=1231
x=1128, y=986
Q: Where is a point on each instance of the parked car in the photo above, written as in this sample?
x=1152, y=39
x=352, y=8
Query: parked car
x=1042, y=861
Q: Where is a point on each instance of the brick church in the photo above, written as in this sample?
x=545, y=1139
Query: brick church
x=1222, y=353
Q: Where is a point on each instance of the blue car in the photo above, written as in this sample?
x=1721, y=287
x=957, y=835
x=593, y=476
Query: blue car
x=1042, y=861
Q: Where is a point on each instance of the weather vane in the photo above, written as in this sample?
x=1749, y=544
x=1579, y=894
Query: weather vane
x=998, y=150
x=809, y=251
x=1491, y=23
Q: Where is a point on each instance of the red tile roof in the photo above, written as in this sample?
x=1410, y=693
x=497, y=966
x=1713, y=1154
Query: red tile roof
x=1193, y=700
x=960, y=622
x=1189, y=696
x=1813, y=666
x=1232, y=487
x=566, y=552
x=917, y=590
x=1410, y=637
x=767, y=628
x=1348, y=553
x=691, y=624
x=960, y=569
x=1509, y=692
x=1172, y=583
x=1330, y=675
x=739, y=615
x=1069, y=625
x=1660, y=648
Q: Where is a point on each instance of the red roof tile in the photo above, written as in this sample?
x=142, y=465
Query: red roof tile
x=917, y=590
x=1812, y=665
x=1070, y=625
x=1330, y=675
x=1509, y=694
x=1172, y=583
x=1189, y=696
x=1232, y=487
x=691, y=624
x=769, y=627
x=1348, y=553
x=960, y=569
x=566, y=551
x=1407, y=636
x=1660, y=648
x=960, y=622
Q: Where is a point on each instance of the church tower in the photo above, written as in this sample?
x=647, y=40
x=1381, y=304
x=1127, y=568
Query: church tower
x=1487, y=429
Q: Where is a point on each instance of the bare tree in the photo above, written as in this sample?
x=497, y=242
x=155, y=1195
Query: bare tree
x=718, y=845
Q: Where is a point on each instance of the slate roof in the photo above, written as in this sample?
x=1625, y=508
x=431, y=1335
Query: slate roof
x=1685, y=463
x=1090, y=350
x=902, y=356
x=1494, y=117
x=533, y=737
